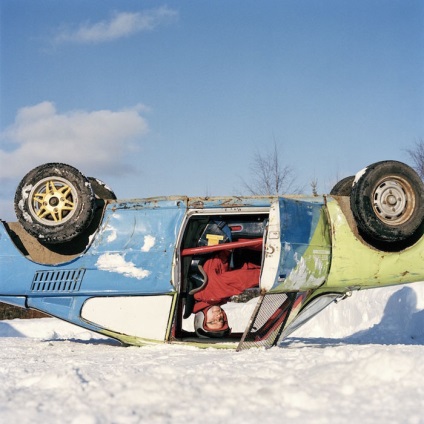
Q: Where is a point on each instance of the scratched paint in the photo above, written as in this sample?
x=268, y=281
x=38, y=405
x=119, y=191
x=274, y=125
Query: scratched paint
x=306, y=247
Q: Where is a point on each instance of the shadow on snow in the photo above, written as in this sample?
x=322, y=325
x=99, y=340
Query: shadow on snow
x=7, y=330
x=401, y=323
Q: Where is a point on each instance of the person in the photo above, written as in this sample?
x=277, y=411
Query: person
x=211, y=322
x=222, y=283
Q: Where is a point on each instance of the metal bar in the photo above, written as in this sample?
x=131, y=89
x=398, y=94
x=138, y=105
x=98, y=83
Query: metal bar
x=224, y=246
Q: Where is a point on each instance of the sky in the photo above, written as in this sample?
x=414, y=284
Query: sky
x=159, y=98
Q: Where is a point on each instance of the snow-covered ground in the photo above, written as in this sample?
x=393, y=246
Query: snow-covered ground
x=359, y=361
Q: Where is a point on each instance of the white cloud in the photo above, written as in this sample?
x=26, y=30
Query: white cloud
x=96, y=140
x=123, y=24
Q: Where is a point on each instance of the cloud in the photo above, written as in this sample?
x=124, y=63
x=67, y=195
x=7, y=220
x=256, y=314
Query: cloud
x=123, y=24
x=98, y=140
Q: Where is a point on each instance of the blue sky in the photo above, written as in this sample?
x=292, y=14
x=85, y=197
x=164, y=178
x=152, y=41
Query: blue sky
x=176, y=98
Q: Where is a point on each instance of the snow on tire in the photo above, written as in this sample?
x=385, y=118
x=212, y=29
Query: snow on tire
x=101, y=190
x=54, y=203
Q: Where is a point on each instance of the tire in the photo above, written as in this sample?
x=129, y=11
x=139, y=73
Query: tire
x=343, y=187
x=101, y=190
x=54, y=203
x=387, y=201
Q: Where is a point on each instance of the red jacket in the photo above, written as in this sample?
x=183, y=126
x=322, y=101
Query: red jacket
x=224, y=283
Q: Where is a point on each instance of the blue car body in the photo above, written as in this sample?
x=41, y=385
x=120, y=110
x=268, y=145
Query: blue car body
x=130, y=280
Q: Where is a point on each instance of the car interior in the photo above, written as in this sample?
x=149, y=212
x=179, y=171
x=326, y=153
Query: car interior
x=204, y=235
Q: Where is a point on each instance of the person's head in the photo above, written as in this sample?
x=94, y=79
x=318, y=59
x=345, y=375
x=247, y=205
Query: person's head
x=211, y=322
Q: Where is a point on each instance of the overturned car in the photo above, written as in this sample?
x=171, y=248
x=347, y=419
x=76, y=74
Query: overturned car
x=128, y=269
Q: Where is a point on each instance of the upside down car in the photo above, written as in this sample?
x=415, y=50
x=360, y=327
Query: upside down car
x=128, y=268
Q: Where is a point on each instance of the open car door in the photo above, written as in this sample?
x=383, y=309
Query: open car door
x=296, y=262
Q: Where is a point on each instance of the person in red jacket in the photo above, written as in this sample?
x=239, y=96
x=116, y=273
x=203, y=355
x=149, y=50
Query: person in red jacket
x=222, y=283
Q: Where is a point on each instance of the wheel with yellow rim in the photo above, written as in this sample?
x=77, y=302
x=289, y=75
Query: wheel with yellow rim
x=54, y=202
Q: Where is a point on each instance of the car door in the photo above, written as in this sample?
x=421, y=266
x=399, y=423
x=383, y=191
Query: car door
x=297, y=248
x=296, y=261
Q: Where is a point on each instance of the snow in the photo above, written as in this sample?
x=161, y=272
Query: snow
x=115, y=262
x=359, y=361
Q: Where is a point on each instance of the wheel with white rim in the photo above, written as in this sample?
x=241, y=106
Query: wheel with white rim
x=54, y=202
x=394, y=201
x=387, y=201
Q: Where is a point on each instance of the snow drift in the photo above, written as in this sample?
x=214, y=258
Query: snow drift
x=359, y=361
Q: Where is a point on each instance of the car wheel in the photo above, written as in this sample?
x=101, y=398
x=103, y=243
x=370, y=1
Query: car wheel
x=101, y=190
x=54, y=202
x=343, y=187
x=387, y=201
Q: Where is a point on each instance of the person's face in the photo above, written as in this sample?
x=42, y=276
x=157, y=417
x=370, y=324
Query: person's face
x=215, y=318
